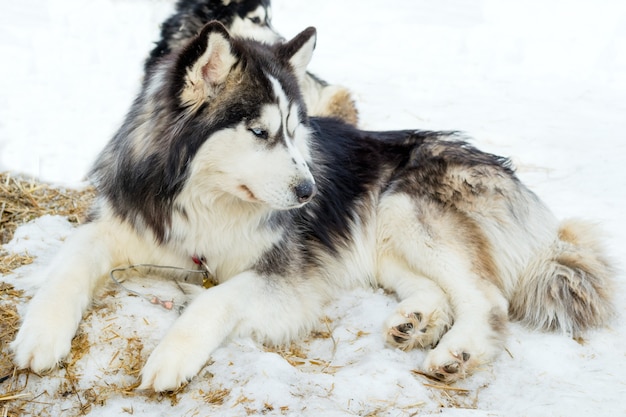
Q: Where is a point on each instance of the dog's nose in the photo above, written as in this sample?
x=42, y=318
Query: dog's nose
x=305, y=191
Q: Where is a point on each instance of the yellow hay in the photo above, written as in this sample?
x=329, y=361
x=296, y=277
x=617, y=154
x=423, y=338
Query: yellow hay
x=23, y=200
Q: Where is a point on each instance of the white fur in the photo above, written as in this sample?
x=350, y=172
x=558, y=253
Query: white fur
x=436, y=256
x=300, y=60
x=424, y=305
x=247, y=28
x=80, y=267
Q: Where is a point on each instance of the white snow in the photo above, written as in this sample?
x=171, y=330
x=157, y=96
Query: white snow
x=543, y=82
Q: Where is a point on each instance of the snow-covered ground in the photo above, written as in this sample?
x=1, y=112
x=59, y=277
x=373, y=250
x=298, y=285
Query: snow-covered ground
x=541, y=81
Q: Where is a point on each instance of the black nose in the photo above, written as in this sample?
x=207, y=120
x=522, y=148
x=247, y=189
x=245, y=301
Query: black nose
x=305, y=191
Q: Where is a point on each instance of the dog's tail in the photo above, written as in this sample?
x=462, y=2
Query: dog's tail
x=570, y=287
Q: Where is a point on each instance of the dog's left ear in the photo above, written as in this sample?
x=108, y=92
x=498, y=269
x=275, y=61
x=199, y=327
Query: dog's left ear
x=207, y=61
x=298, y=51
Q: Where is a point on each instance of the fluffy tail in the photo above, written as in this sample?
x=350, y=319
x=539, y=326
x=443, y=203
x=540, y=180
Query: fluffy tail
x=570, y=288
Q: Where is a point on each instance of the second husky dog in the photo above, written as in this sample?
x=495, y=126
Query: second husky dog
x=218, y=160
x=250, y=19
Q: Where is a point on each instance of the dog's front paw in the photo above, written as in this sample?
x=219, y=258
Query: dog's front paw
x=42, y=342
x=409, y=327
x=172, y=364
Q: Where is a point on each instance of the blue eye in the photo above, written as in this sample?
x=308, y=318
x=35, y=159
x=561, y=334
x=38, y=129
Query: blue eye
x=259, y=133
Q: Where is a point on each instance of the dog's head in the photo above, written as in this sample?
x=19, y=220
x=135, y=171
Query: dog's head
x=221, y=117
x=252, y=19
x=244, y=97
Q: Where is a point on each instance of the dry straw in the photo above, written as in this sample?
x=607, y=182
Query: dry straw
x=22, y=200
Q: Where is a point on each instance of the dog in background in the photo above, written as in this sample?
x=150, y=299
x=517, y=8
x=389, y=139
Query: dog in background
x=218, y=159
x=249, y=19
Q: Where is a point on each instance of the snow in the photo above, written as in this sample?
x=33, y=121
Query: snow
x=543, y=82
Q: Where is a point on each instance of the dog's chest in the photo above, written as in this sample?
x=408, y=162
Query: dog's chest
x=229, y=243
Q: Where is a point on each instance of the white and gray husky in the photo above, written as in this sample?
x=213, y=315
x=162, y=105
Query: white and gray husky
x=218, y=159
x=250, y=19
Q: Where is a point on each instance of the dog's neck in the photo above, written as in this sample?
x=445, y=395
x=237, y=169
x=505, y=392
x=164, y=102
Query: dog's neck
x=231, y=234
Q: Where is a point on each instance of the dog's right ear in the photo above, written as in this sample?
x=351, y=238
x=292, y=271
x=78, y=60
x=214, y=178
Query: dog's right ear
x=206, y=63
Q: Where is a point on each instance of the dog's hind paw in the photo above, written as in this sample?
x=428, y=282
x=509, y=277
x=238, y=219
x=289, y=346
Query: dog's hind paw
x=456, y=366
x=408, y=328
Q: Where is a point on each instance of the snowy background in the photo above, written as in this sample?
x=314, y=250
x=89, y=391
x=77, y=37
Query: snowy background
x=541, y=81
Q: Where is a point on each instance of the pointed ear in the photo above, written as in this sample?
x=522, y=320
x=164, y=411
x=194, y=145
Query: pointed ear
x=208, y=60
x=299, y=50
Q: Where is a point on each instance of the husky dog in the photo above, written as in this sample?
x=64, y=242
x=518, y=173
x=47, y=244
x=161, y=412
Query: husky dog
x=218, y=159
x=248, y=19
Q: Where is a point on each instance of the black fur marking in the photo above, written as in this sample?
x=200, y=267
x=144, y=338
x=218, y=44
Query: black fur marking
x=347, y=165
x=272, y=263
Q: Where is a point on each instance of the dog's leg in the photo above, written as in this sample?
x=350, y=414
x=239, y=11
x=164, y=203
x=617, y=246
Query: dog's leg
x=437, y=244
x=423, y=314
x=55, y=311
x=271, y=309
x=478, y=307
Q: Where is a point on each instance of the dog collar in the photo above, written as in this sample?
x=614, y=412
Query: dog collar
x=208, y=278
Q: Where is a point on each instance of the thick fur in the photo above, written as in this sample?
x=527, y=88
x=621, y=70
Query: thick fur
x=248, y=19
x=244, y=18
x=218, y=158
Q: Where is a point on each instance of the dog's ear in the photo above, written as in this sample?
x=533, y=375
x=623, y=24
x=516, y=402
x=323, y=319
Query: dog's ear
x=207, y=62
x=299, y=50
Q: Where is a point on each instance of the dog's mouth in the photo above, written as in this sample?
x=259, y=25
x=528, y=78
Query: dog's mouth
x=248, y=194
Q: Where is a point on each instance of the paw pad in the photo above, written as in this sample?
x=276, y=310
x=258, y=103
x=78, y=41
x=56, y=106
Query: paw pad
x=415, y=330
x=404, y=333
x=453, y=370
